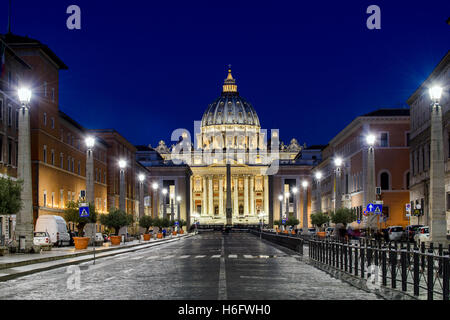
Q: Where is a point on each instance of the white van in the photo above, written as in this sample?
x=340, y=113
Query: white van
x=56, y=227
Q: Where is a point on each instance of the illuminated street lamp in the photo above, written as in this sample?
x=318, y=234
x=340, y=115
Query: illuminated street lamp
x=438, y=225
x=370, y=139
x=155, y=186
x=305, y=206
x=141, y=178
x=318, y=176
x=122, y=166
x=24, y=218
x=90, y=195
x=370, y=192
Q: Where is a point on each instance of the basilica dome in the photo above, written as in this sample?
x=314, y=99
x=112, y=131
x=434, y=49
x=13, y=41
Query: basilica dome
x=230, y=108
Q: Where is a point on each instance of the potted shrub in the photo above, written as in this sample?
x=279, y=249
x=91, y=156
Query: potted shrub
x=319, y=219
x=116, y=219
x=277, y=223
x=72, y=214
x=10, y=203
x=292, y=222
x=182, y=224
x=146, y=222
x=157, y=222
x=342, y=217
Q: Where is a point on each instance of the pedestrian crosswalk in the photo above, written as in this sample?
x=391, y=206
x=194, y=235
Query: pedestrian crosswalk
x=215, y=256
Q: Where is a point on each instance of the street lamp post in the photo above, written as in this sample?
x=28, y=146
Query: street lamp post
x=24, y=219
x=294, y=192
x=305, y=206
x=318, y=176
x=122, y=206
x=164, y=191
x=280, y=197
x=141, y=179
x=337, y=183
x=172, y=213
x=90, y=195
x=178, y=212
x=155, y=210
x=438, y=225
x=286, y=212
x=369, y=193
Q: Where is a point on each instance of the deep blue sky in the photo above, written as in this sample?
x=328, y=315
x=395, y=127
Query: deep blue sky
x=146, y=68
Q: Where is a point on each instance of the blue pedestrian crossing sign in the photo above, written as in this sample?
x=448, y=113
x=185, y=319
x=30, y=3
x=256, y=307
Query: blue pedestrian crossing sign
x=177, y=223
x=84, y=212
x=378, y=208
x=284, y=221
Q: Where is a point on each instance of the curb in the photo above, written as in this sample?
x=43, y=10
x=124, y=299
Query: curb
x=131, y=248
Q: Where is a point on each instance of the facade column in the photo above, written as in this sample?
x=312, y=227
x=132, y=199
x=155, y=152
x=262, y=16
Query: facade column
x=319, y=196
x=338, y=185
x=266, y=195
x=246, y=195
x=221, y=212
x=210, y=196
x=122, y=205
x=252, y=195
x=90, y=176
x=236, y=196
x=191, y=195
x=305, y=210
x=205, y=197
x=369, y=192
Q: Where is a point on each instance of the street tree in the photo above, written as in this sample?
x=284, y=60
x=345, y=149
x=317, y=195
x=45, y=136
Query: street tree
x=319, y=219
x=72, y=214
x=146, y=222
x=116, y=219
x=10, y=192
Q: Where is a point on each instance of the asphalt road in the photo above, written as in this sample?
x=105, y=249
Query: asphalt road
x=211, y=266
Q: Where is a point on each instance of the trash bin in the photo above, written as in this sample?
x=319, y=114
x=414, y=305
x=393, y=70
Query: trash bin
x=22, y=243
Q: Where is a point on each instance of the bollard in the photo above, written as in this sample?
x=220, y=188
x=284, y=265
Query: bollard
x=441, y=253
x=356, y=260
x=393, y=261
x=362, y=254
x=430, y=275
x=383, y=267
x=345, y=258
x=445, y=285
x=403, y=267
x=350, y=250
x=341, y=251
x=422, y=258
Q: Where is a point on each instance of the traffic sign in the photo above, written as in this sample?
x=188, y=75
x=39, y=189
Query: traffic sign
x=378, y=209
x=359, y=221
x=408, y=207
x=177, y=223
x=84, y=212
x=370, y=207
x=284, y=221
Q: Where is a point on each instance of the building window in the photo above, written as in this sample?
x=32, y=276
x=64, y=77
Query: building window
x=384, y=181
x=384, y=139
x=9, y=152
x=45, y=119
x=53, y=199
x=68, y=163
x=53, y=157
x=53, y=94
x=45, y=154
x=9, y=116
x=45, y=88
x=61, y=198
x=53, y=122
x=61, y=160
x=45, y=198
x=407, y=139
x=73, y=165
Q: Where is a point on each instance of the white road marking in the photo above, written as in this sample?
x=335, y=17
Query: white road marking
x=184, y=257
x=168, y=257
x=248, y=256
x=136, y=258
x=109, y=279
x=266, y=257
x=222, y=295
x=152, y=257
x=216, y=256
x=264, y=278
x=233, y=256
x=200, y=256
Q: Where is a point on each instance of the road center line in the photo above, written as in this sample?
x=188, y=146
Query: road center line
x=222, y=276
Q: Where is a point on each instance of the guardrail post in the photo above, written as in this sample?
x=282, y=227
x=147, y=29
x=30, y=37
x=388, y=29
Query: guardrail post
x=363, y=260
x=383, y=267
x=445, y=280
x=341, y=252
x=403, y=266
x=333, y=258
x=345, y=257
x=416, y=272
x=350, y=251
x=393, y=261
x=441, y=253
x=356, y=259
x=422, y=258
x=430, y=271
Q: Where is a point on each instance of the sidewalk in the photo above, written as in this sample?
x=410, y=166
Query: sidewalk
x=16, y=265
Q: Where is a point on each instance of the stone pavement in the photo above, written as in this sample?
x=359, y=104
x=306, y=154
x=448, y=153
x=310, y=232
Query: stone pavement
x=14, y=265
x=212, y=266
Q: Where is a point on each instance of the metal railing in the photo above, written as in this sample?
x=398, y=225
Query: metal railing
x=294, y=243
x=420, y=271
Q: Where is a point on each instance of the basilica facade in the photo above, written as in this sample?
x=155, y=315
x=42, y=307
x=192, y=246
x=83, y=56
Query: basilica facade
x=190, y=179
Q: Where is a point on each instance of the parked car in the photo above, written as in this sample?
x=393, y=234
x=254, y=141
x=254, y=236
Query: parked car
x=395, y=233
x=422, y=235
x=41, y=239
x=410, y=231
x=56, y=227
x=329, y=231
x=311, y=231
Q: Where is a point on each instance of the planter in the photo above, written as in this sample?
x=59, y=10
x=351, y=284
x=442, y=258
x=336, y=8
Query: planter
x=285, y=232
x=115, y=240
x=321, y=234
x=181, y=231
x=293, y=232
x=174, y=233
x=160, y=236
x=147, y=237
x=81, y=243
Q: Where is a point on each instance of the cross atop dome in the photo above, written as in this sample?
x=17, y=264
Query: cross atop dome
x=229, y=83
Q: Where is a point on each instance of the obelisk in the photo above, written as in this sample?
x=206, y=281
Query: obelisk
x=229, y=209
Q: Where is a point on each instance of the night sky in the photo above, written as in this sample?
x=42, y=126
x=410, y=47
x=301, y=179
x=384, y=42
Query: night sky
x=146, y=68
